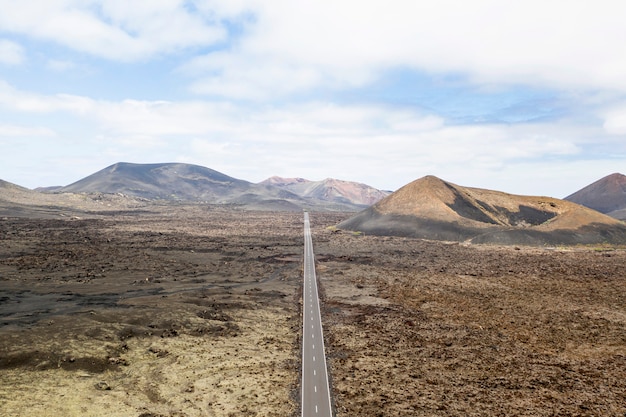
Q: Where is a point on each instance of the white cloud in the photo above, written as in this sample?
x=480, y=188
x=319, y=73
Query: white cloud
x=361, y=143
x=112, y=29
x=301, y=45
x=385, y=146
x=347, y=128
x=60, y=65
x=245, y=77
x=14, y=131
x=288, y=47
x=164, y=118
x=615, y=121
x=280, y=48
x=14, y=99
x=11, y=53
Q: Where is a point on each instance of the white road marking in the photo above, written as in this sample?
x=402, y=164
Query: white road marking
x=322, y=395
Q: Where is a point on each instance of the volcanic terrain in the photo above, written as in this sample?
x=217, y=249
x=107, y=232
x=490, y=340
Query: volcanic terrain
x=330, y=189
x=193, y=183
x=431, y=208
x=113, y=305
x=607, y=195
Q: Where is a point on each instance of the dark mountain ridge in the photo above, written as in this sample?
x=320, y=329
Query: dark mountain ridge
x=170, y=181
x=194, y=183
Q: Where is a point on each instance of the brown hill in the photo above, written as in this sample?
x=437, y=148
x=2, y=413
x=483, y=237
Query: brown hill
x=431, y=208
x=8, y=189
x=16, y=201
x=607, y=195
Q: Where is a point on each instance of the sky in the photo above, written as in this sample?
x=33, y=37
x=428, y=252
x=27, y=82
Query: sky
x=526, y=97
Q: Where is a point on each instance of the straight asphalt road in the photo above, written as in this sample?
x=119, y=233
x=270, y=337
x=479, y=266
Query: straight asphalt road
x=315, y=388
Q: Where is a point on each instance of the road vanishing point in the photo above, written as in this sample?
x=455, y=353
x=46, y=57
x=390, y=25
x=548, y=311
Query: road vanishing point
x=315, y=388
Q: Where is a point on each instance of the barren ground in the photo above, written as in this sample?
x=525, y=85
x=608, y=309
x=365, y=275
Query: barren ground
x=191, y=311
x=182, y=312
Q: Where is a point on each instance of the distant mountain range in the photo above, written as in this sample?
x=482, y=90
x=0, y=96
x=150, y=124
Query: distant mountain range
x=186, y=182
x=330, y=190
x=431, y=208
x=607, y=195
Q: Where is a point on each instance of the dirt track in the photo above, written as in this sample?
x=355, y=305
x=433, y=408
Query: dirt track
x=189, y=311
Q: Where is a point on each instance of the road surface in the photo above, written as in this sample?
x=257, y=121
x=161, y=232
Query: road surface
x=315, y=388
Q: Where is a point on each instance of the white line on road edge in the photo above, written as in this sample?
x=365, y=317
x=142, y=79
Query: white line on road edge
x=311, y=398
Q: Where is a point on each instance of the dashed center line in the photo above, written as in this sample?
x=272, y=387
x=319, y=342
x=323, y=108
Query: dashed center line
x=315, y=402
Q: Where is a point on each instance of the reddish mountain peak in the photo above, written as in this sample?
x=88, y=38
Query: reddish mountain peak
x=605, y=195
x=614, y=180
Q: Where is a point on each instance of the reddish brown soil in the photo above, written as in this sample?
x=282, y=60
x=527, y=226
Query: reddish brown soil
x=191, y=311
x=421, y=328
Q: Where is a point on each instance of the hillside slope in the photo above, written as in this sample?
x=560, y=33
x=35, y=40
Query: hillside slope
x=607, y=195
x=16, y=201
x=431, y=208
x=171, y=181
